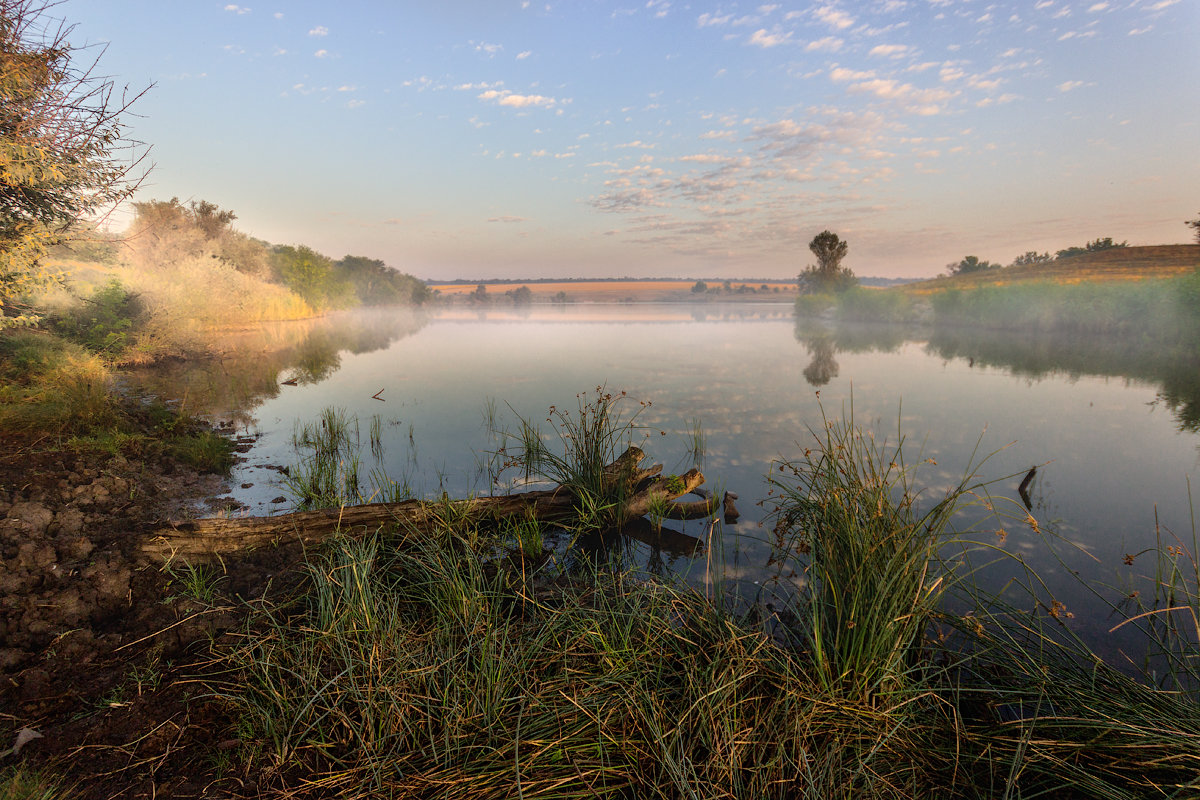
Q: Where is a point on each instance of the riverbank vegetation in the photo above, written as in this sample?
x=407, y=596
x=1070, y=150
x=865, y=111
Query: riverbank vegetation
x=468, y=662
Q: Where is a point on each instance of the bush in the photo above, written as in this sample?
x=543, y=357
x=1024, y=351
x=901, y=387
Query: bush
x=105, y=322
x=875, y=305
x=813, y=305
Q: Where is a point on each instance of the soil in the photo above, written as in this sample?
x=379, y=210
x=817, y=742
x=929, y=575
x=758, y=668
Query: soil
x=102, y=651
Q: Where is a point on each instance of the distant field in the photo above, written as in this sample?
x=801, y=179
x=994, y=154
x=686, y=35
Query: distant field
x=633, y=291
x=1117, y=264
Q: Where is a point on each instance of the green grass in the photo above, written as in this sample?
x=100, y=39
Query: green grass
x=440, y=664
x=875, y=305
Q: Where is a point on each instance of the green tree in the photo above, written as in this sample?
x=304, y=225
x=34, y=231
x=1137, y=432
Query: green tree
x=63, y=155
x=1194, y=224
x=699, y=287
x=310, y=275
x=968, y=265
x=828, y=275
x=376, y=284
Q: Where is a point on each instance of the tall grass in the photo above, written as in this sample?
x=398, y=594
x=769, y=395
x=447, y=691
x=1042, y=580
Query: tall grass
x=436, y=663
x=1149, y=310
x=875, y=305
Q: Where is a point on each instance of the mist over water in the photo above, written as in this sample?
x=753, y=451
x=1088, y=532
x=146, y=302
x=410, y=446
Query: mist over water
x=1112, y=431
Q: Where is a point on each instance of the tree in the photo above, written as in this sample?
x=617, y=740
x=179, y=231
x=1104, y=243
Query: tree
x=1194, y=224
x=699, y=287
x=1031, y=258
x=968, y=265
x=63, y=155
x=828, y=275
x=310, y=275
x=521, y=296
x=1091, y=247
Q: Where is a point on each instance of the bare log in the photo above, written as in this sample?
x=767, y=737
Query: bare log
x=640, y=490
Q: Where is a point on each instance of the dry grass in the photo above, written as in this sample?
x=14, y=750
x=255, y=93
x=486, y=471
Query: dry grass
x=1117, y=264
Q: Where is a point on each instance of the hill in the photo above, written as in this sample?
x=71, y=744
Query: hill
x=1116, y=264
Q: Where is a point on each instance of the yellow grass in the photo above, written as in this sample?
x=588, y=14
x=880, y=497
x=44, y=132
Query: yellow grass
x=618, y=291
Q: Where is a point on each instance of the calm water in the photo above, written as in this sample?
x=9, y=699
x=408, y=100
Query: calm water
x=1112, y=433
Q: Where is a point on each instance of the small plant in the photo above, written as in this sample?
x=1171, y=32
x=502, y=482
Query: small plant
x=193, y=582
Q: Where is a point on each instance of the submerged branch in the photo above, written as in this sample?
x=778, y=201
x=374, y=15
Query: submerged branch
x=643, y=491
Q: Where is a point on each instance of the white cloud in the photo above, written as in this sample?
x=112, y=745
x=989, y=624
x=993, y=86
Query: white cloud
x=707, y=20
x=356, y=103
x=506, y=98
x=889, y=50
x=321, y=53
x=1140, y=31
x=832, y=16
x=346, y=89
x=843, y=74
x=239, y=10
x=320, y=30
x=524, y=55
x=489, y=49
x=763, y=39
x=1067, y=86
x=278, y=15
x=828, y=44
x=1097, y=7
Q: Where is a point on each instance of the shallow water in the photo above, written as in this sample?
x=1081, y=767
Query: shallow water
x=1110, y=433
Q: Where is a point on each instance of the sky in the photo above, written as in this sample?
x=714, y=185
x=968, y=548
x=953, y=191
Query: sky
x=522, y=138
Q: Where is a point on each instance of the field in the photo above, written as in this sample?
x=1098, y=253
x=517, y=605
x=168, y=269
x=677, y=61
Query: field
x=1117, y=264
x=648, y=291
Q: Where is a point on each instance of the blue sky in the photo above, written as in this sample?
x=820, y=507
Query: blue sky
x=514, y=138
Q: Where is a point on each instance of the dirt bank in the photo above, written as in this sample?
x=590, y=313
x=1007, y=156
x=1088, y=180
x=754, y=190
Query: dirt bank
x=100, y=648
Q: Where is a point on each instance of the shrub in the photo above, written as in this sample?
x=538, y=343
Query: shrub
x=875, y=305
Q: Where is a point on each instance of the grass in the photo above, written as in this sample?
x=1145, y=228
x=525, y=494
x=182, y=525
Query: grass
x=437, y=665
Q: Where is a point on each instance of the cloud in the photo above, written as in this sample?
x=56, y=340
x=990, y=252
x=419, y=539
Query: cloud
x=321, y=53
x=1067, y=86
x=707, y=20
x=925, y=102
x=1097, y=7
x=631, y=200
x=524, y=55
x=356, y=103
x=239, y=10
x=506, y=98
x=889, y=50
x=320, y=30
x=843, y=74
x=828, y=44
x=1140, y=31
x=834, y=17
x=763, y=39
x=507, y=219
x=488, y=49
x=346, y=88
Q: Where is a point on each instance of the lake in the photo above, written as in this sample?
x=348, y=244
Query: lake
x=1113, y=431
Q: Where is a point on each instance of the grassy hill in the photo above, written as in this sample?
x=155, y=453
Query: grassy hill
x=1117, y=264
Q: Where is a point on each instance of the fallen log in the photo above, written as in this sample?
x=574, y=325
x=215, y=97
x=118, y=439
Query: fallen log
x=638, y=491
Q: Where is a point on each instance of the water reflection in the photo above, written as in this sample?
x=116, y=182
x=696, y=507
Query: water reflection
x=1175, y=372
x=249, y=366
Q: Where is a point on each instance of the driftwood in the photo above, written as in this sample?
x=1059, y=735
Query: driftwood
x=645, y=491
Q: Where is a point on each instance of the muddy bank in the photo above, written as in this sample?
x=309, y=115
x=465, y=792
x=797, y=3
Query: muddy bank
x=99, y=647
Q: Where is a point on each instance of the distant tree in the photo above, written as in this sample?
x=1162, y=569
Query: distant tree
x=164, y=232
x=727, y=287
x=376, y=284
x=699, y=287
x=560, y=297
x=1031, y=258
x=311, y=275
x=521, y=296
x=1194, y=224
x=480, y=295
x=828, y=275
x=1091, y=247
x=968, y=265
x=63, y=155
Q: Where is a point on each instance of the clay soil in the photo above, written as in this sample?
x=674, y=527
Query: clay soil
x=103, y=652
